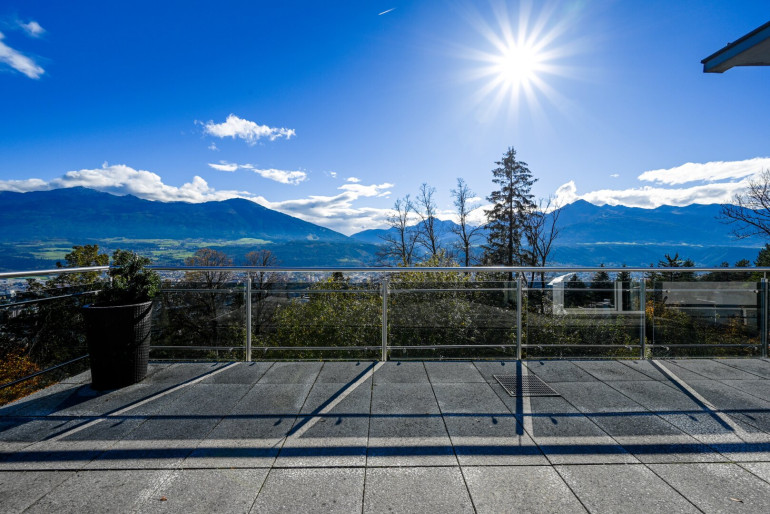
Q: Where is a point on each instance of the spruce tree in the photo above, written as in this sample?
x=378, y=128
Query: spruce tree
x=512, y=205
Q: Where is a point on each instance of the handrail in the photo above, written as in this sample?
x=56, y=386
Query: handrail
x=391, y=270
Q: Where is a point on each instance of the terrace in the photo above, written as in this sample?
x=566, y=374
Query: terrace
x=414, y=427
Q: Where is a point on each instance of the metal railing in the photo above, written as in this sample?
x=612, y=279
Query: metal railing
x=526, y=317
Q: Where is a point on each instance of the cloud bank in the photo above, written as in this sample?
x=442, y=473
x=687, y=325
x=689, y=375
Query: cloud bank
x=249, y=131
x=704, y=183
x=19, y=61
x=337, y=212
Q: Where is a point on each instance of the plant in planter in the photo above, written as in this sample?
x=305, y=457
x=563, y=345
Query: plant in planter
x=118, y=325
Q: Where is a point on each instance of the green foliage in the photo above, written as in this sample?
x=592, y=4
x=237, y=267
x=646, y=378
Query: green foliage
x=131, y=281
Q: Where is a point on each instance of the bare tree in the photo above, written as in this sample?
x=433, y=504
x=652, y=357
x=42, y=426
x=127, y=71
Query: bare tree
x=262, y=282
x=463, y=201
x=429, y=232
x=541, y=230
x=750, y=213
x=400, y=241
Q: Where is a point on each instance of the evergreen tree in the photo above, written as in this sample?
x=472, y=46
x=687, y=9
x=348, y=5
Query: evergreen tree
x=512, y=205
x=763, y=259
x=601, y=284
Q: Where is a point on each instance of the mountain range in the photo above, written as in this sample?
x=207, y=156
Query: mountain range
x=38, y=228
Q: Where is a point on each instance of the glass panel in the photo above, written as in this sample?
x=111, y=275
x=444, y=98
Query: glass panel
x=693, y=319
x=41, y=326
x=204, y=309
x=441, y=310
x=568, y=316
x=321, y=310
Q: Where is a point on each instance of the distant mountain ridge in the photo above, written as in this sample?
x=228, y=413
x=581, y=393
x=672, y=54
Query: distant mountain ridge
x=80, y=213
x=589, y=234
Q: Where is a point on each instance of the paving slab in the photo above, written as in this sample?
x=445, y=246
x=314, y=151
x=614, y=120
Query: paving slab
x=182, y=372
x=144, y=454
x=343, y=372
x=647, y=368
x=41, y=403
x=86, y=401
x=714, y=369
x=323, y=436
x=452, y=372
x=737, y=404
x=206, y=490
x=401, y=372
x=488, y=369
x=565, y=435
x=400, y=398
x=56, y=455
x=592, y=398
x=416, y=490
x=608, y=371
x=244, y=374
x=683, y=373
x=559, y=371
x=532, y=489
x=409, y=440
x=20, y=489
x=292, y=373
x=717, y=487
x=101, y=491
x=323, y=490
x=759, y=388
x=759, y=367
x=254, y=430
x=760, y=469
x=623, y=488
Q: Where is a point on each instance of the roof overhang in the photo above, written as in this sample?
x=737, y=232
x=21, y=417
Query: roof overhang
x=753, y=49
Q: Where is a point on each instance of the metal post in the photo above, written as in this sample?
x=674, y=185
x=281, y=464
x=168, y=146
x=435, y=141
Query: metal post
x=643, y=308
x=763, y=314
x=247, y=357
x=384, y=288
x=518, y=318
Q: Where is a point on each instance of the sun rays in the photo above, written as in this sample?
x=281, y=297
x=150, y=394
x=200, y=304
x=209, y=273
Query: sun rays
x=522, y=53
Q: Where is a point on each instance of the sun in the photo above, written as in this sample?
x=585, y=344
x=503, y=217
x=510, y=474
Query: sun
x=518, y=66
x=521, y=54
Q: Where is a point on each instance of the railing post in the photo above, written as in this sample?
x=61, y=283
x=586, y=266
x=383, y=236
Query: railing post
x=763, y=320
x=518, y=317
x=643, y=320
x=384, y=289
x=247, y=357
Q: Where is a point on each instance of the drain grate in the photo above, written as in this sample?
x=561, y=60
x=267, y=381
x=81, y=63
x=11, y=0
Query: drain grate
x=528, y=385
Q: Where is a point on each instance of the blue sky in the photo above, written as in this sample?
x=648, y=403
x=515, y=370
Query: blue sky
x=329, y=111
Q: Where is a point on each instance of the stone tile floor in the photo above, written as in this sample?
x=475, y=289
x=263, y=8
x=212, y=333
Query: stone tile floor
x=638, y=436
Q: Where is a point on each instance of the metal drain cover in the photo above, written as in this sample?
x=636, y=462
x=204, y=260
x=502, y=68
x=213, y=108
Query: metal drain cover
x=529, y=385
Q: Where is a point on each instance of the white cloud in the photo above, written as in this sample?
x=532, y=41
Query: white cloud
x=709, y=183
x=32, y=28
x=249, y=131
x=121, y=180
x=337, y=212
x=213, y=147
x=707, y=171
x=224, y=166
x=282, y=176
x=333, y=174
x=19, y=61
x=353, y=179
x=615, y=175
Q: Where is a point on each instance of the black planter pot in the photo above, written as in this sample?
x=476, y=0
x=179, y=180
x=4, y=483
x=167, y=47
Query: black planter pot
x=118, y=343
